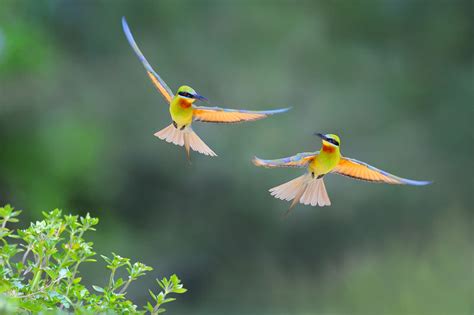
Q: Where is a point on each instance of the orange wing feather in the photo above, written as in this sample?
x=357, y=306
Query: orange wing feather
x=224, y=115
x=158, y=82
x=360, y=170
x=165, y=92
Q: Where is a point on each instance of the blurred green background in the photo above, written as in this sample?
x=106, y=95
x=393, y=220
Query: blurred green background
x=395, y=79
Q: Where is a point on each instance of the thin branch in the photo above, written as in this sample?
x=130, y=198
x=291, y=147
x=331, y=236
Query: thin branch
x=125, y=286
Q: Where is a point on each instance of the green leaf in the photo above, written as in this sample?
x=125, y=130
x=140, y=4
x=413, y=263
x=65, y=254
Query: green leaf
x=168, y=300
x=107, y=259
x=180, y=290
x=4, y=286
x=30, y=306
x=119, y=282
x=51, y=273
x=152, y=295
x=98, y=289
x=160, y=298
x=161, y=284
x=149, y=307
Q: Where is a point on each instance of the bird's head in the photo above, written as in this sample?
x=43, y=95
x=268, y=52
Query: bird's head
x=187, y=93
x=330, y=139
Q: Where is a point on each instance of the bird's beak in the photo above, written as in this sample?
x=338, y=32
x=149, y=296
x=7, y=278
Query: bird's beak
x=320, y=135
x=200, y=97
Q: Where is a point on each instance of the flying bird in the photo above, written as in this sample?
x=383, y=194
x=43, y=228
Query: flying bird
x=184, y=112
x=309, y=189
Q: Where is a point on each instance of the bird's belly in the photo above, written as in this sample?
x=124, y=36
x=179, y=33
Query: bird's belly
x=181, y=116
x=323, y=164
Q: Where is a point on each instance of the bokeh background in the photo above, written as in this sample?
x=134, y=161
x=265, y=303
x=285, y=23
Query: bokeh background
x=395, y=79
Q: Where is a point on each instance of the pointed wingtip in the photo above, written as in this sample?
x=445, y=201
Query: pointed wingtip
x=127, y=31
x=124, y=22
x=282, y=110
x=421, y=182
x=412, y=182
x=279, y=110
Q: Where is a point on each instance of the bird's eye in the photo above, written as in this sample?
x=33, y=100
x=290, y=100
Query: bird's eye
x=185, y=94
x=330, y=140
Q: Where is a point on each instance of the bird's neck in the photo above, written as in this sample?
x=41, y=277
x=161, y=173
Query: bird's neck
x=329, y=149
x=183, y=102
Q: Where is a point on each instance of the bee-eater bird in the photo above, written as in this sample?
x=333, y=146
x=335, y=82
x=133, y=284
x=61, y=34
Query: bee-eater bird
x=183, y=110
x=309, y=189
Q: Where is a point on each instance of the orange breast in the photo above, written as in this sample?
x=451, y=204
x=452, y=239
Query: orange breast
x=328, y=148
x=184, y=103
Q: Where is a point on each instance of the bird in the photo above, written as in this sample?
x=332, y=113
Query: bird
x=309, y=189
x=184, y=112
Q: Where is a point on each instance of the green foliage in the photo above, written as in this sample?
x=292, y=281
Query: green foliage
x=40, y=271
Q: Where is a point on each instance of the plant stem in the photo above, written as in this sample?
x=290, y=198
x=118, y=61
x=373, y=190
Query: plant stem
x=157, y=306
x=126, y=285
x=40, y=290
x=25, y=255
x=39, y=271
x=36, y=279
x=111, y=279
x=69, y=249
x=72, y=277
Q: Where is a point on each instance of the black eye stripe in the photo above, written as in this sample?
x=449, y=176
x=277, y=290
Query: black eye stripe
x=332, y=141
x=186, y=94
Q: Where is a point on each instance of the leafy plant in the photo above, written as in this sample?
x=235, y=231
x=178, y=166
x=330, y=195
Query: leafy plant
x=40, y=270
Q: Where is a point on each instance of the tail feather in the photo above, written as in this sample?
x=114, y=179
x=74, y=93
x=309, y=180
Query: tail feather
x=187, y=146
x=311, y=194
x=303, y=189
x=288, y=190
x=296, y=199
x=198, y=145
x=187, y=138
x=171, y=135
x=323, y=195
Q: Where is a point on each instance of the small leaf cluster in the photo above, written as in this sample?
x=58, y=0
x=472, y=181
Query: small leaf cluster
x=39, y=270
x=171, y=285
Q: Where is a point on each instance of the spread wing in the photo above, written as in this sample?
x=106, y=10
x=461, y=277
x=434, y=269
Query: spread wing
x=227, y=116
x=298, y=160
x=154, y=77
x=363, y=171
